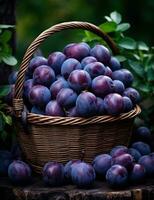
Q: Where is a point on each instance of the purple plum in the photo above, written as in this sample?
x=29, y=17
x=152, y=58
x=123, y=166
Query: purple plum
x=114, y=104
x=128, y=105
x=86, y=104
x=137, y=174
x=114, y=64
x=54, y=109
x=101, y=164
x=39, y=95
x=148, y=162
x=118, y=150
x=142, y=147
x=102, y=85
x=72, y=112
x=77, y=50
x=43, y=75
x=19, y=172
x=118, y=87
x=36, y=62
x=101, y=53
x=37, y=110
x=53, y=174
x=117, y=176
x=143, y=133
x=108, y=72
x=87, y=60
x=133, y=94
x=68, y=66
x=100, y=106
x=66, y=97
x=134, y=153
x=55, y=61
x=95, y=69
x=28, y=84
x=79, y=80
x=12, y=77
x=83, y=175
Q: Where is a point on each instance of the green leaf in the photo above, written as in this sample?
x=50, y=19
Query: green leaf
x=145, y=88
x=5, y=37
x=108, y=19
x=91, y=36
x=123, y=27
x=4, y=26
x=127, y=43
x=121, y=58
x=108, y=27
x=7, y=119
x=150, y=74
x=142, y=46
x=116, y=17
x=10, y=60
x=137, y=68
x=4, y=90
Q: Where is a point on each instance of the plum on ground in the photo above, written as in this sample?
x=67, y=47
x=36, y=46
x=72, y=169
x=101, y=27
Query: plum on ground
x=118, y=150
x=148, y=162
x=142, y=147
x=137, y=174
x=53, y=174
x=134, y=153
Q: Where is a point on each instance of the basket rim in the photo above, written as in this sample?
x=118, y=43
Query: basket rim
x=56, y=120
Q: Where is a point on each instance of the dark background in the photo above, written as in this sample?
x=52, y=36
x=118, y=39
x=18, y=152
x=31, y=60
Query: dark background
x=35, y=16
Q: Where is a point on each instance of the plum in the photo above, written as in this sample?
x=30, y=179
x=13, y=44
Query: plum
x=55, y=61
x=53, y=174
x=95, y=69
x=79, y=80
x=5, y=160
x=100, y=106
x=118, y=150
x=117, y=176
x=114, y=104
x=37, y=110
x=101, y=53
x=102, y=85
x=19, y=172
x=133, y=94
x=83, y=175
x=77, y=50
x=68, y=169
x=66, y=97
x=118, y=87
x=12, y=77
x=143, y=133
x=108, y=72
x=101, y=164
x=70, y=65
x=88, y=60
x=137, y=174
x=125, y=160
x=114, y=64
x=36, y=62
x=123, y=75
x=142, y=147
x=28, y=84
x=72, y=112
x=43, y=75
x=57, y=86
x=86, y=104
x=39, y=95
x=128, y=105
x=134, y=153
x=148, y=162
x=54, y=109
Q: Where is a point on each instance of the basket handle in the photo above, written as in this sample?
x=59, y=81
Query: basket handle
x=18, y=101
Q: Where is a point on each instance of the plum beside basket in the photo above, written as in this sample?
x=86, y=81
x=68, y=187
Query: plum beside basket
x=46, y=138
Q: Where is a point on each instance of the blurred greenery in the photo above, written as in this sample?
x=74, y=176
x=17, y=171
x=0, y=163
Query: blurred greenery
x=35, y=16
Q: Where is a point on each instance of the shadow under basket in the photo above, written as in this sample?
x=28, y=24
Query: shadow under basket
x=46, y=138
x=65, y=138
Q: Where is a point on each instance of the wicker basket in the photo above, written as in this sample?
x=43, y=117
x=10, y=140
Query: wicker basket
x=45, y=138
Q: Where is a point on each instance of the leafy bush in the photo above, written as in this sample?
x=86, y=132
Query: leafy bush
x=134, y=55
x=7, y=58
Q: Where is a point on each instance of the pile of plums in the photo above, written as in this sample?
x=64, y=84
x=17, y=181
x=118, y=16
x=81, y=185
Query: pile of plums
x=80, y=81
x=121, y=167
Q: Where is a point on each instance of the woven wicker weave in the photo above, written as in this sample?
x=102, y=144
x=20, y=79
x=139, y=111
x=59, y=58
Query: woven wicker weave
x=46, y=138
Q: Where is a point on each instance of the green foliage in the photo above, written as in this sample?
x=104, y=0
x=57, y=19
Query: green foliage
x=7, y=58
x=5, y=49
x=137, y=56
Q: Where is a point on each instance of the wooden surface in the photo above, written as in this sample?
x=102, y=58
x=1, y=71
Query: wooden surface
x=100, y=191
